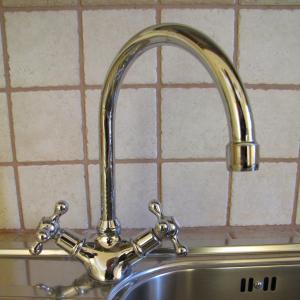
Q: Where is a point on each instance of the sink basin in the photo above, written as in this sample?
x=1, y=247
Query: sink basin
x=219, y=279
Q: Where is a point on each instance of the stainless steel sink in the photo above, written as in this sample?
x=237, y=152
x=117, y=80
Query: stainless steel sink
x=254, y=278
x=241, y=269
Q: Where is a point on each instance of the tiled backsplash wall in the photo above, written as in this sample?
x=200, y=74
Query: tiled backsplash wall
x=171, y=128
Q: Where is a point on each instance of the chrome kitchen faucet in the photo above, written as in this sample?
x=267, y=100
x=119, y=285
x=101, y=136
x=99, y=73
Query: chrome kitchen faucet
x=109, y=257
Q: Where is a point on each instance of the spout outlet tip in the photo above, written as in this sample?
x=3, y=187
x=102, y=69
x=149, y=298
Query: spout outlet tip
x=243, y=156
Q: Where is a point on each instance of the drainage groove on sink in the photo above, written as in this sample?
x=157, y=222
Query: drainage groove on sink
x=267, y=284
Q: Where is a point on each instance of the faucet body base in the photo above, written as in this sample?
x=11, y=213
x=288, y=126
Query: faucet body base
x=108, y=264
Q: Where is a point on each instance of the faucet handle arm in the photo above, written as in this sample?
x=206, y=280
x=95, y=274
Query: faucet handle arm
x=49, y=227
x=167, y=227
x=179, y=248
x=155, y=208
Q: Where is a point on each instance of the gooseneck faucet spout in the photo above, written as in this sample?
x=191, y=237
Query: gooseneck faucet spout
x=108, y=257
x=242, y=154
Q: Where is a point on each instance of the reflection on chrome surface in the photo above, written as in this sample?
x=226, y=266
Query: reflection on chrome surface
x=230, y=279
x=109, y=257
x=79, y=287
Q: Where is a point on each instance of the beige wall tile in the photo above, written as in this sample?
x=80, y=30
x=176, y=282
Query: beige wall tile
x=270, y=46
x=193, y=123
x=2, y=75
x=54, y=58
x=9, y=214
x=298, y=200
x=55, y=272
x=24, y=3
x=180, y=66
x=196, y=193
x=197, y=1
x=14, y=274
x=276, y=115
x=100, y=49
x=265, y=235
x=135, y=123
x=42, y=186
x=48, y=125
x=264, y=2
x=116, y=2
x=5, y=142
x=136, y=185
x=264, y=197
x=94, y=181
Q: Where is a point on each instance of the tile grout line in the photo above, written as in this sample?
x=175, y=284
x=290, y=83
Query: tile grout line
x=116, y=7
x=272, y=86
x=229, y=230
x=236, y=56
x=151, y=6
x=10, y=116
x=270, y=6
x=260, y=86
x=140, y=160
x=83, y=111
x=158, y=110
x=297, y=191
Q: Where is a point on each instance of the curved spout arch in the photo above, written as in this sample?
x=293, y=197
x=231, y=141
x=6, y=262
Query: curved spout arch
x=241, y=151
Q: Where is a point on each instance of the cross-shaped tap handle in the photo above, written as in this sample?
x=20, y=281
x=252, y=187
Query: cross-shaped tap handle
x=48, y=227
x=167, y=227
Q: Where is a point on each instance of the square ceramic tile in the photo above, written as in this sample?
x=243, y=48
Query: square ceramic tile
x=296, y=238
x=9, y=213
x=270, y=2
x=2, y=75
x=270, y=46
x=14, y=274
x=135, y=123
x=99, y=50
x=136, y=185
x=94, y=181
x=196, y=193
x=193, y=123
x=197, y=1
x=48, y=125
x=24, y=3
x=42, y=186
x=265, y=235
x=277, y=122
x=5, y=142
x=46, y=271
x=116, y=2
x=194, y=237
x=180, y=66
x=298, y=204
x=54, y=59
x=264, y=197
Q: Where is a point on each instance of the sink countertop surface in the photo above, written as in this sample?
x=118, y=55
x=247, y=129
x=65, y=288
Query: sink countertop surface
x=22, y=275
x=193, y=237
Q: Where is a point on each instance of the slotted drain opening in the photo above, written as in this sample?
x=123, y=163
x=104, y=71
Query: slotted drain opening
x=243, y=285
x=250, y=284
x=267, y=284
x=273, y=283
